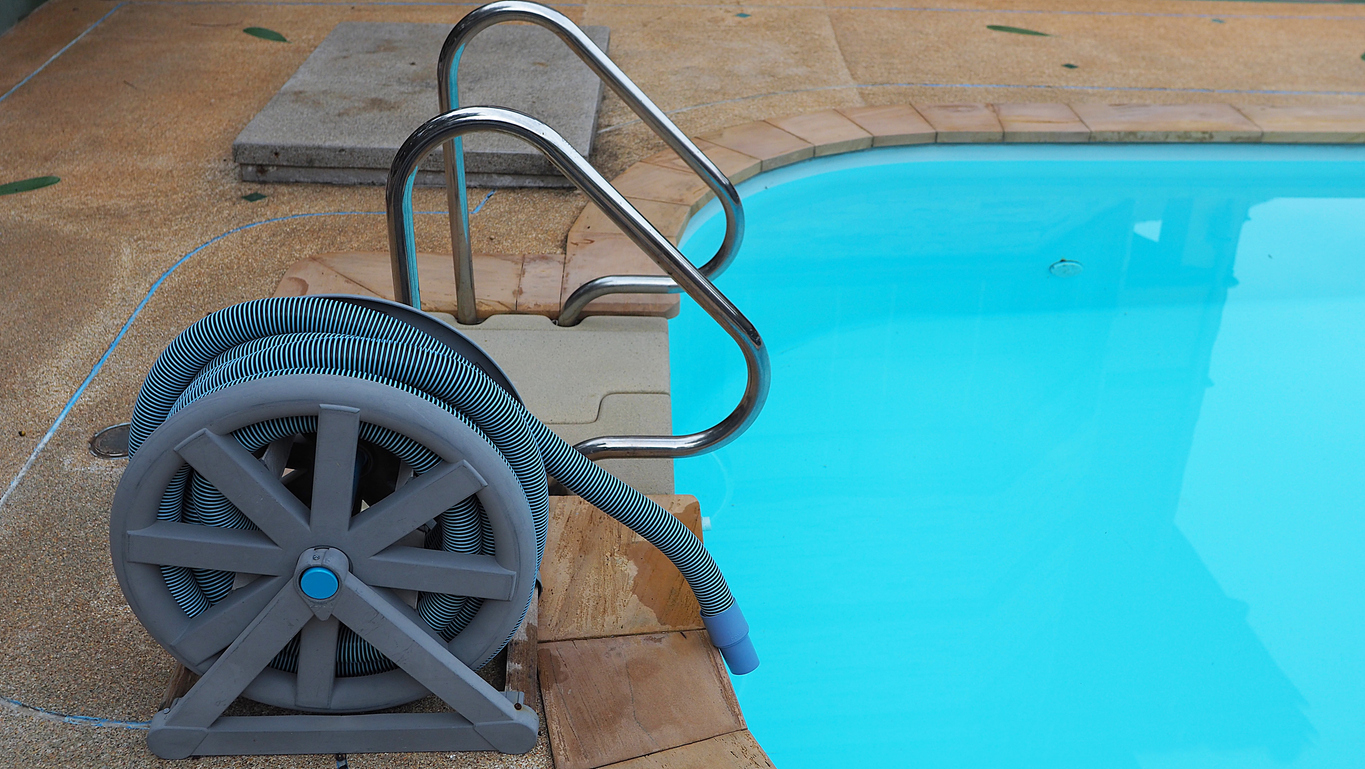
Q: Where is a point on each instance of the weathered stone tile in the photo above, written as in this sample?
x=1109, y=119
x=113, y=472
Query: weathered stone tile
x=602, y=579
x=663, y=184
x=735, y=165
x=613, y=699
x=830, y=132
x=308, y=276
x=962, y=123
x=495, y=278
x=592, y=256
x=1325, y=124
x=892, y=125
x=765, y=141
x=736, y=750
x=1041, y=123
x=542, y=277
x=668, y=218
x=1166, y=123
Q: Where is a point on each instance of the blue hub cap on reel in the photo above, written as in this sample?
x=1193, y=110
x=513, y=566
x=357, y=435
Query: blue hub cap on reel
x=318, y=583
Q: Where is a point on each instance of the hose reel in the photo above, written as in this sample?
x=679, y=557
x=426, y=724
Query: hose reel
x=338, y=505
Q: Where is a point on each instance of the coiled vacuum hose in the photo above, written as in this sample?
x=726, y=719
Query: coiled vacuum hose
x=312, y=335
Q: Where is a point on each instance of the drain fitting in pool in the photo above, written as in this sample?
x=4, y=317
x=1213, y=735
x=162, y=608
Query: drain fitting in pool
x=1065, y=268
x=111, y=442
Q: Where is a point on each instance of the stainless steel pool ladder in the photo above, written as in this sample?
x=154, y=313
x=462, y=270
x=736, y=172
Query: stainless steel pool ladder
x=449, y=127
x=447, y=76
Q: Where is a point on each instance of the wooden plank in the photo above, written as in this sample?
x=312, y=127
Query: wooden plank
x=521, y=660
x=736, y=750
x=602, y=579
x=613, y=699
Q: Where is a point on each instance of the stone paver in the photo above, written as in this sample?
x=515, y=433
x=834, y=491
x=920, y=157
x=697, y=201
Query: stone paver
x=1041, y=123
x=1166, y=123
x=962, y=123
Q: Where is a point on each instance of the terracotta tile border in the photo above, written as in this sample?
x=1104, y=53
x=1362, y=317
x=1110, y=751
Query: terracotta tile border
x=675, y=194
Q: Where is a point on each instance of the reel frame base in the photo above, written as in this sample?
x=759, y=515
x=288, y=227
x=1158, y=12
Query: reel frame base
x=484, y=718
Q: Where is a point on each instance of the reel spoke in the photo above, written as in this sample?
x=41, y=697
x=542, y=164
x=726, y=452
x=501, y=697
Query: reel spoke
x=317, y=664
x=420, y=500
x=437, y=571
x=230, y=674
x=166, y=543
x=334, y=471
x=212, y=631
x=247, y=484
x=412, y=647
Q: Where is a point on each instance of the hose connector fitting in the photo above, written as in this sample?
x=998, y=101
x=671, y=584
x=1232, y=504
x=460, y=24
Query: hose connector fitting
x=730, y=633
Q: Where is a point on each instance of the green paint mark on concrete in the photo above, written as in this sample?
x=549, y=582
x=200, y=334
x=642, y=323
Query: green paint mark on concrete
x=1017, y=30
x=37, y=182
x=265, y=34
x=253, y=197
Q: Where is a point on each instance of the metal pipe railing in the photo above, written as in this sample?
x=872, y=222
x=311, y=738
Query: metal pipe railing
x=403, y=251
x=448, y=87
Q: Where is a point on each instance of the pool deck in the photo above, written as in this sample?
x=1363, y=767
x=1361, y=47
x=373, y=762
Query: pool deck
x=135, y=105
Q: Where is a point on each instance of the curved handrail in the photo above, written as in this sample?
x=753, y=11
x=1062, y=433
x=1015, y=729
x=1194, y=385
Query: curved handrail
x=403, y=251
x=447, y=80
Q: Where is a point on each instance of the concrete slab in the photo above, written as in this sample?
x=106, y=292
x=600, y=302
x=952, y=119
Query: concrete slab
x=564, y=373
x=345, y=112
x=605, y=376
x=630, y=414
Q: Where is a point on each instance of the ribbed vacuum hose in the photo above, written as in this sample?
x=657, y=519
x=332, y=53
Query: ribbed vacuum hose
x=312, y=335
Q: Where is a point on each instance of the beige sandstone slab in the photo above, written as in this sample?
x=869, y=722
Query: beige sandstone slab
x=668, y=218
x=629, y=414
x=609, y=700
x=1041, y=123
x=771, y=145
x=309, y=276
x=1324, y=124
x=962, y=123
x=601, y=579
x=542, y=277
x=1166, y=123
x=892, y=125
x=828, y=130
x=735, y=165
x=564, y=373
x=736, y=750
x=663, y=184
x=589, y=256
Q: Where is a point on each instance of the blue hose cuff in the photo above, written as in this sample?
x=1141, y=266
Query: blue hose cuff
x=730, y=633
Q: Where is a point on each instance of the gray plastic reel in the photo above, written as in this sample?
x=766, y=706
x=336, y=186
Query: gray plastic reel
x=232, y=643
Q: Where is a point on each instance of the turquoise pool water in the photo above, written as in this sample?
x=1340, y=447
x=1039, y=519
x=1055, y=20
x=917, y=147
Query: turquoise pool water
x=995, y=518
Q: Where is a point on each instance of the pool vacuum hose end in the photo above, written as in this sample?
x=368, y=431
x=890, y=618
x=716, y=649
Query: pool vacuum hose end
x=730, y=633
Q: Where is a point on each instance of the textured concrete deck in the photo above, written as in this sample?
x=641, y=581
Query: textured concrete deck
x=138, y=116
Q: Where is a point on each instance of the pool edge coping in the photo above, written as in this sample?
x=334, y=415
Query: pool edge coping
x=669, y=193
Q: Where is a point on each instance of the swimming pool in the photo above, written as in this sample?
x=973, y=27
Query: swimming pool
x=993, y=516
